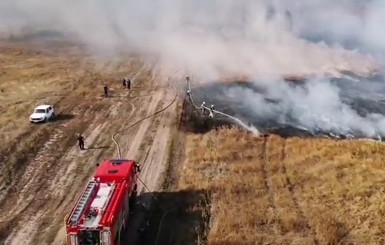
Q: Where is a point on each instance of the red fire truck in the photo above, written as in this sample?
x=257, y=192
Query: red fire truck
x=100, y=214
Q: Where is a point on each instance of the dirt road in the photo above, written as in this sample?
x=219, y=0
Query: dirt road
x=33, y=209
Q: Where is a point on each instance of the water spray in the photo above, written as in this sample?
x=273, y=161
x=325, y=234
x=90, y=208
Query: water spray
x=212, y=111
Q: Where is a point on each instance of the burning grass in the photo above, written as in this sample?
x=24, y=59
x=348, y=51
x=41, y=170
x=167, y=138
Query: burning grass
x=288, y=191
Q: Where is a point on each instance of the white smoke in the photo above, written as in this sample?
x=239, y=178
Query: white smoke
x=214, y=38
x=317, y=105
x=356, y=23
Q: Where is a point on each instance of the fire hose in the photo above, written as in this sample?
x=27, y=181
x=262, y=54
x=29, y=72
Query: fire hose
x=166, y=212
x=213, y=111
x=189, y=94
x=143, y=119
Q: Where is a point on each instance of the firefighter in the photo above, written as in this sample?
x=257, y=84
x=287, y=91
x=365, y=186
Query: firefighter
x=211, y=112
x=81, y=142
x=105, y=91
x=124, y=82
x=128, y=84
x=203, y=108
x=188, y=94
x=137, y=168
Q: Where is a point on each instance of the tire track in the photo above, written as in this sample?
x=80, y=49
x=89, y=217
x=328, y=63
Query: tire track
x=25, y=229
x=152, y=112
x=36, y=190
x=264, y=162
x=266, y=181
x=155, y=158
x=66, y=164
x=291, y=187
x=132, y=110
x=25, y=189
x=65, y=182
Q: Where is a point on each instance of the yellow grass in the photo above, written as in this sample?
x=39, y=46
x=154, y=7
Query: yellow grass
x=294, y=191
x=63, y=76
x=73, y=82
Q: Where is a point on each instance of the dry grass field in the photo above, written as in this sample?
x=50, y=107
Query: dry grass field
x=42, y=171
x=271, y=190
x=247, y=189
x=65, y=78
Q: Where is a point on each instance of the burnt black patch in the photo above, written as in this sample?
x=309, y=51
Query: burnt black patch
x=364, y=96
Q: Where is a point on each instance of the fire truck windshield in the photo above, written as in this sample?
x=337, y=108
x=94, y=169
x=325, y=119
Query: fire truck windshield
x=89, y=237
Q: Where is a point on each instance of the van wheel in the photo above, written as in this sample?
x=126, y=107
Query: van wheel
x=53, y=116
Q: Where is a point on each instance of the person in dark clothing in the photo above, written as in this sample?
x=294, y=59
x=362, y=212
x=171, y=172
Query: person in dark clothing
x=203, y=108
x=128, y=83
x=124, y=82
x=81, y=142
x=105, y=91
x=137, y=168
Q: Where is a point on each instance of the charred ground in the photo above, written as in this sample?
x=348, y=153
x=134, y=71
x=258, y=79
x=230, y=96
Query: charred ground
x=363, y=95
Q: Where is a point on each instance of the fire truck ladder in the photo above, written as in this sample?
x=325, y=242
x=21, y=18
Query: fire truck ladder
x=83, y=202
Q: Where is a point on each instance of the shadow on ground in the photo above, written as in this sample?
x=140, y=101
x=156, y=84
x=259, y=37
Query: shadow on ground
x=64, y=117
x=97, y=147
x=165, y=218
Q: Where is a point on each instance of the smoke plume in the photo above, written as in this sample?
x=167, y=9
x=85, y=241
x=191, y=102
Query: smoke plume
x=214, y=39
x=318, y=106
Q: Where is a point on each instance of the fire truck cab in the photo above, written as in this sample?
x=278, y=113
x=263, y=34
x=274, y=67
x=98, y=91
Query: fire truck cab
x=100, y=214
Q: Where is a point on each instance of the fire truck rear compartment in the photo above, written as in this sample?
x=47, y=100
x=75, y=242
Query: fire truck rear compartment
x=89, y=237
x=101, y=212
